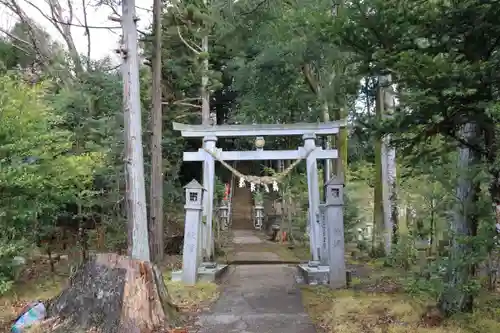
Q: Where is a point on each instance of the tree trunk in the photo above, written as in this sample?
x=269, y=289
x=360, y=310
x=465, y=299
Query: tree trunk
x=342, y=113
x=456, y=297
x=58, y=20
x=390, y=201
x=492, y=147
x=381, y=236
x=134, y=159
x=205, y=94
x=393, y=224
x=432, y=229
x=386, y=202
x=386, y=211
x=342, y=145
x=128, y=197
x=327, y=166
x=114, y=294
x=156, y=232
x=206, y=120
x=378, y=204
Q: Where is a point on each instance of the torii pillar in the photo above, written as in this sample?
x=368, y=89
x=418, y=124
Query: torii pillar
x=209, y=143
x=314, y=197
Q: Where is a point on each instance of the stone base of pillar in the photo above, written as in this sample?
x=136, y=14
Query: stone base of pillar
x=314, y=274
x=319, y=275
x=206, y=273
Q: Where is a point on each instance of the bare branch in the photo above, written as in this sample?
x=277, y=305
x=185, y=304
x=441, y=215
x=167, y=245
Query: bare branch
x=16, y=38
x=87, y=26
x=20, y=40
x=253, y=10
x=183, y=103
x=112, y=7
x=190, y=99
x=114, y=18
x=70, y=8
x=309, y=78
x=63, y=26
x=196, y=49
x=87, y=31
x=112, y=68
x=143, y=8
x=27, y=22
x=47, y=17
x=183, y=115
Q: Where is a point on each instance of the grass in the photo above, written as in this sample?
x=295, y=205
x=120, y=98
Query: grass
x=376, y=304
x=300, y=252
x=295, y=253
x=349, y=311
x=192, y=298
x=43, y=286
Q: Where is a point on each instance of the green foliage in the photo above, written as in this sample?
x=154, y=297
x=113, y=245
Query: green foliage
x=403, y=254
x=38, y=170
x=36, y=158
x=8, y=250
x=219, y=190
x=258, y=197
x=352, y=218
x=286, y=62
x=439, y=55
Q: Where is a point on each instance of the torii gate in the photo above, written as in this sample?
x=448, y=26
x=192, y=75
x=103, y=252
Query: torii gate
x=309, y=131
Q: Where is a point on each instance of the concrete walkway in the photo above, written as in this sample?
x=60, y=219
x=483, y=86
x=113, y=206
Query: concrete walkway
x=257, y=298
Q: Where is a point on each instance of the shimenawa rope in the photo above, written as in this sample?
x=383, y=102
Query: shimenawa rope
x=260, y=180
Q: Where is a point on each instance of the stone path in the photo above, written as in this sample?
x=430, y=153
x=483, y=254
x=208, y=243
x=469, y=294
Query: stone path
x=257, y=298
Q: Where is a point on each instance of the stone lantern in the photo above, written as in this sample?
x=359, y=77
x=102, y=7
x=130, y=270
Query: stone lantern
x=191, y=254
x=194, y=194
x=259, y=142
x=334, y=190
x=259, y=216
x=224, y=215
x=334, y=211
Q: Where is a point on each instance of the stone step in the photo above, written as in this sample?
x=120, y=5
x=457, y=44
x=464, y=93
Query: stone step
x=245, y=200
x=241, y=215
x=242, y=209
x=242, y=223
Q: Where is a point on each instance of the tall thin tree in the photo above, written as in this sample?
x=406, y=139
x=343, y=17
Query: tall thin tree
x=385, y=195
x=205, y=94
x=134, y=159
x=156, y=186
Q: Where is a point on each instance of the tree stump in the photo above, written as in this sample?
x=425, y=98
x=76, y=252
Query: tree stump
x=115, y=294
